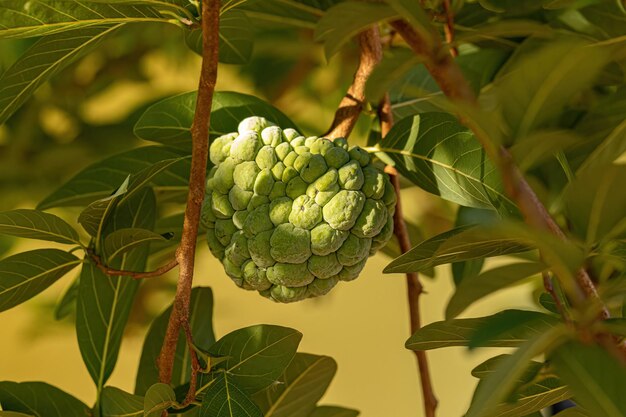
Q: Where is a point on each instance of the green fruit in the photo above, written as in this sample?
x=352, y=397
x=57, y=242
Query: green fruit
x=290, y=216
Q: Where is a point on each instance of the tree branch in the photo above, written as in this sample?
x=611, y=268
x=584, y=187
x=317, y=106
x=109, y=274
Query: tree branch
x=449, y=27
x=352, y=104
x=133, y=274
x=414, y=286
x=179, y=317
x=453, y=84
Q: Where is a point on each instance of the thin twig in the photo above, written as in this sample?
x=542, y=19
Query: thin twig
x=179, y=317
x=353, y=102
x=133, y=274
x=453, y=84
x=195, y=365
x=414, y=286
x=449, y=27
x=549, y=286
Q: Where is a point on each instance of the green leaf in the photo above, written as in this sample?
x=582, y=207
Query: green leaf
x=417, y=16
x=257, y=355
x=331, y=411
x=159, y=398
x=573, y=412
x=35, y=224
x=44, y=59
x=499, y=30
x=443, y=157
x=496, y=388
x=287, y=13
x=541, y=146
x=347, y=19
x=67, y=304
x=298, y=390
x=94, y=217
x=47, y=17
x=236, y=38
x=507, y=322
x=616, y=326
x=26, y=274
x=201, y=322
x=97, y=180
x=459, y=332
x=594, y=376
x=169, y=121
x=490, y=366
x=472, y=289
x=40, y=399
x=459, y=244
x=537, y=83
x=13, y=414
x=123, y=240
x=104, y=302
x=226, y=399
x=117, y=403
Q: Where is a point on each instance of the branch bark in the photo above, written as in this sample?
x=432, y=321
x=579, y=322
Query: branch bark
x=185, y=254
x=414, y=286
x=352, y=104
x=453, y=84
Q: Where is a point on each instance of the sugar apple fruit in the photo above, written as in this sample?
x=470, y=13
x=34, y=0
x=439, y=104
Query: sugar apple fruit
x=291, y=216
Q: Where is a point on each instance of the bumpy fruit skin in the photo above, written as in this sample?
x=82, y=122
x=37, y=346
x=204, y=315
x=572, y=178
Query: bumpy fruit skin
x=290, y=216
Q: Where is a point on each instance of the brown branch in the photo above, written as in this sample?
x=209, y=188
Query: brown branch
x=549, y=286
x=449, y=27
x=352, y=104
x=453, y=84
x=185, y=254
x=195, y=365
x=414, y=286
x=133, y=274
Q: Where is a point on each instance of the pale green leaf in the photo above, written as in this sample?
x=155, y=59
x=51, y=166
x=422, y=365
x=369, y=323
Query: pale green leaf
x=35, y=224
x=342, y=22
x=24, y=275
x=226, y=399
x=257, y=355
x=169, y=121
x=443, y=157
x=459, y=332
x=117, y=403
x=594, y=376
x=94, y=217
x=298, y=390
x=159, y=398
x=40, y=399
x=472, y=289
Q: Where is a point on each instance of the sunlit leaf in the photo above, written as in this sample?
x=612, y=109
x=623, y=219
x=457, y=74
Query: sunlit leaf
x=298, y=390
x=443, y=157
x=225, y=398
x=35, y=224
x=26, y=274
x=459, y=332
x=40, y=399
x=169, y=121
x=594, y=376
x=201, y=322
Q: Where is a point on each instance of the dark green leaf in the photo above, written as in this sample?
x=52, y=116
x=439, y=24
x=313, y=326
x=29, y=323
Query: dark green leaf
x=459, y=244
x=459, y=332
x=472, y=289
x=535, y=85
x=507, y=322
x=67, y=304
x=13, y=414
x=415, y=14
x=443, y=157
x=594, y=376
x=117, y=403
x=342, y=22
x=46, y=17
x=616, y=326
x=201, y=321
x=40, y=399
x=169, y=121
x=330, y=411
x=26, y=274
x=35, y=224
x=548, y=303
x=94, y=217
x=542, y=145
x=298, y=390
x=226, y=399
x=98, y=180
x=123, y=240
x=104, y=302
x=496, y=388
x=257, y=355
x=499, y=30
x=573, y=412
x=159, y=398
x=43, y=60
x=491, y=365
x=236, y=38
x=290, y=13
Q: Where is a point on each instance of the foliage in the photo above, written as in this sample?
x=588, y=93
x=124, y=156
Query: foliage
x=550, y=77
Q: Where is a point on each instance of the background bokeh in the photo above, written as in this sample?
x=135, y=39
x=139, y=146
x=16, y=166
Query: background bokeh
x=88, y=111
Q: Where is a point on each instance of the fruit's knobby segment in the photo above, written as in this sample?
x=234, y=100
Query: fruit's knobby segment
x=290, y=216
